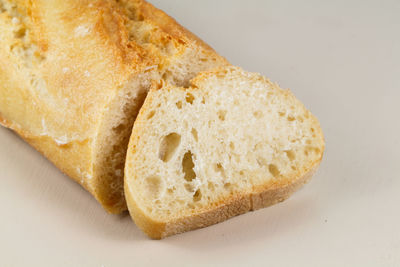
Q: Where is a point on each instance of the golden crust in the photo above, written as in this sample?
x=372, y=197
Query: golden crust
x=168, y=24
x=262, y=197
x=62, y=131
x=79, y=57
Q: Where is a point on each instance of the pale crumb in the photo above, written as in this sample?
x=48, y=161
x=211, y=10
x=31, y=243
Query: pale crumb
x=87, y=73
x=65, y=70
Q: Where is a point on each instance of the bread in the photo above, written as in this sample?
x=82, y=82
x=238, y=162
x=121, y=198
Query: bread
x=74, y=73
x=230, y=143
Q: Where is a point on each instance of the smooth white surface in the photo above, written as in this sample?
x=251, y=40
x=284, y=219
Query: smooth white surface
x=342, y=59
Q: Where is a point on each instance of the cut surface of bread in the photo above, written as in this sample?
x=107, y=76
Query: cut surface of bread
x=74, y=74
x=231, y=142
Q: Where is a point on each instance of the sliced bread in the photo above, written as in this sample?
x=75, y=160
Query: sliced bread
x=230, y=143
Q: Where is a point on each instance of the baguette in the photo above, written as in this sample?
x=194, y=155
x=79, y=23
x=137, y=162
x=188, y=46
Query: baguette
x=230, y=143
x=74, y=74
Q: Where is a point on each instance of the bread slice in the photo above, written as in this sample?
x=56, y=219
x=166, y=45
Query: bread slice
x=74, y=74
x=230, y=143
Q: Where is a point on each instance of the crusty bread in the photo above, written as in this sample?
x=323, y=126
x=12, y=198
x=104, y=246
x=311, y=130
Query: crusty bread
x=230, y=143
x=74, y=73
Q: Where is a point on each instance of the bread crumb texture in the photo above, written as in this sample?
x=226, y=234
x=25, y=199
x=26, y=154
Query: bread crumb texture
x=229, y=135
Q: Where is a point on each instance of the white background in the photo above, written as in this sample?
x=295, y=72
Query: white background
x=342, y=59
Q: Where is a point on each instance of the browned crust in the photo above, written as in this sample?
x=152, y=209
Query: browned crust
x=262, y=197
x=169, y=24
x=62, y=156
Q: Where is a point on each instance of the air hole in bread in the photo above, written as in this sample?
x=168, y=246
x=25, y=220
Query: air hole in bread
x=281, y=113
x=273, y=169
x=311, y=149
x=168, y=146
x=258, y=114
x=211, y=186
x=151, y=114
x=203, y=100
x=189, y=187
x=221, y=115
x=170, y=191
x=187, y=166
x=20, y=33
x=290, y=154
x=232, y=145
x=290, y=118
x=153, y=185
x=228, y=186
x=159, y=84
x=195, y=134
x=189, y=98
x=179, y=104
x=166, y=75
x=218, y=168
x=197, y=196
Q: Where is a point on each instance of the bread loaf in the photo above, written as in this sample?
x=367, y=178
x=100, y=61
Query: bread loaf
x=74, y=73
x=230, y=143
